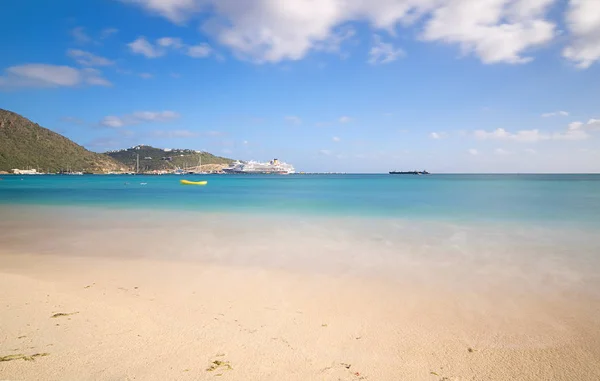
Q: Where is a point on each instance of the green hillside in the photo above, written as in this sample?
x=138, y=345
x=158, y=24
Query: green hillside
x=24, y=144
x=152, y=158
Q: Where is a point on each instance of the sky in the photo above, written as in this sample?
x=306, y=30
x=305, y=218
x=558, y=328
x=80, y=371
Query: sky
x=326, y=85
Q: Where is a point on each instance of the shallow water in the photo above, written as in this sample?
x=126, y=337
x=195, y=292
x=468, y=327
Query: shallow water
x=534, y=232
x=451, y=256
x=568, y=200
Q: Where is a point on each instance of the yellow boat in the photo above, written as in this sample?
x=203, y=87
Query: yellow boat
x=187, y=182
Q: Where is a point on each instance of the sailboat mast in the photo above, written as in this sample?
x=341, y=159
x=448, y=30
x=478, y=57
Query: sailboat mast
x=137, y=166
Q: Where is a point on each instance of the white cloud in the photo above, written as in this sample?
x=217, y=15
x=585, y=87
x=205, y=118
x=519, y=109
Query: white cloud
x=531, y=135
x=387, y=114
x=556, y=113
x=146, y=75
x=138, y=117
x=293, y=119
x=80, y=36
x=570, y=135
x=43, y=75
x=345, y=119
x=199, y=51
x=245, y=142
x=169, y=42
x=590, y=125
x=94, y=77
x=382, y=52
x=500, y=151
x=437, y=135
x=325, y=152
x=494, y=30
x=583, y=20
x=575, y=126
x=499, y=133
x=154, y=116
x=107, y=32
x=473, y=152
x=593, y=124
x=272, y=31
x=530, y=151
x=334, y=42
x=112, y=121
x=336, y=139
x=145, y=48
x=88, y=59
x=177, y=11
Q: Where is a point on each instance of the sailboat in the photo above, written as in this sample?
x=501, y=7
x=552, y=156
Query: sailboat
x=199, y=168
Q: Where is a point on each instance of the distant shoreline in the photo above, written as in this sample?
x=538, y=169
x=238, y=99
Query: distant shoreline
x=319, y=173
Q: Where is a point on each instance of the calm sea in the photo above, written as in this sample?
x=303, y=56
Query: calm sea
x=541, y=199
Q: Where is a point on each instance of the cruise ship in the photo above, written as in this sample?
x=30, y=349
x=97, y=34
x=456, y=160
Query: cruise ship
x=253, y=167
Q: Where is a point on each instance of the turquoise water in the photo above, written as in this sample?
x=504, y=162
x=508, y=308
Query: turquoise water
x=569, y=199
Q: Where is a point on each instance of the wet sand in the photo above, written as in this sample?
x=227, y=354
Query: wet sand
x=152, y=298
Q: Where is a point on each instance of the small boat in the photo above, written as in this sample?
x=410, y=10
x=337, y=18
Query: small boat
x=187, y=182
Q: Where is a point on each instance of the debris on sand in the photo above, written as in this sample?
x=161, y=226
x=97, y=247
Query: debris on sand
x=61, y=314
x=23, y=357
x=219, y=365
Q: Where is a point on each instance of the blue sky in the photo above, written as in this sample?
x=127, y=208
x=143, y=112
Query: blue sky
x=328, y=85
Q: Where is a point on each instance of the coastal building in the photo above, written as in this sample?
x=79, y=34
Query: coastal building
x=25, y=171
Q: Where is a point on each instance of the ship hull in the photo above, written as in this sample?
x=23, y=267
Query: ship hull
x=236, y=172
x=409, y=173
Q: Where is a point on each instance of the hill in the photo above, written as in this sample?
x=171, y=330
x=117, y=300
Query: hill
x=24, y=144
x=157, y=159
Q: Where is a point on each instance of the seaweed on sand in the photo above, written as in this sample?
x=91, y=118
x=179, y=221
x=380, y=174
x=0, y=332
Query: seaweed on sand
x=60, y=314
x=23, y=357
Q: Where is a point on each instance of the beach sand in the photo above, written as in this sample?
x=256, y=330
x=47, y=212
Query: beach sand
x=212, y=298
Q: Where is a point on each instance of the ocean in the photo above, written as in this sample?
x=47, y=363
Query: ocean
x=572, y=200
x=539, y=232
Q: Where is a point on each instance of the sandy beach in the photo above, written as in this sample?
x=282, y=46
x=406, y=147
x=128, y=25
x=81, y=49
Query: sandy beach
x=121, y=311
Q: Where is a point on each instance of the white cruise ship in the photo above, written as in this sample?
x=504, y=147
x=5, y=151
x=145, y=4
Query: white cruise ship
x=272, y=167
